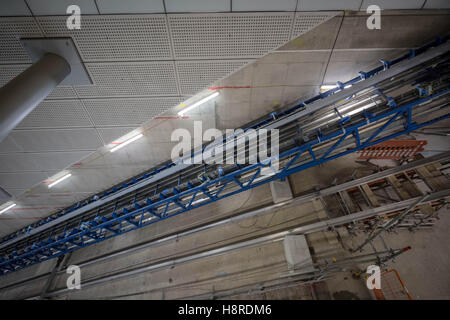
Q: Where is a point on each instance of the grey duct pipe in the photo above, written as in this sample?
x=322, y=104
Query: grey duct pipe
x=24, y=93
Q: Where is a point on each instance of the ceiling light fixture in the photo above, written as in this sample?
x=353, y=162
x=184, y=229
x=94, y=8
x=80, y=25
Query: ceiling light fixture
x=212, y=96
x=7, y=208
x=59, y=180
x=328, y=87
x=123, y=144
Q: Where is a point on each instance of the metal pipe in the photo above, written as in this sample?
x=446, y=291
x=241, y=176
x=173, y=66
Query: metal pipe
x=275, y=237
x=23, y=94
x=256, y=212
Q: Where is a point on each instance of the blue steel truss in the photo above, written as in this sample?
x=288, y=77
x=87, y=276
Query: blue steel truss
x=301, y=104
x=147, y=212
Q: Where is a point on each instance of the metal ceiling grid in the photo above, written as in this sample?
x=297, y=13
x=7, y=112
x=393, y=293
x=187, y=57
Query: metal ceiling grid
x=11, y=30
x=115, y=37
x=227, y=36
x=41, y=140
x=155, y=78
x=128, y=111
x=195, y=76
x=57, y=114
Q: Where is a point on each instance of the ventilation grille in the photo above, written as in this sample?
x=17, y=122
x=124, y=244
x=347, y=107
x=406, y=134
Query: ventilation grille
x=57, y=113
x=228, y=35
x=124, y=112
x=125, y=79
x=197, y=75
x=11, y=30
x=115, y=38
x=304, y=22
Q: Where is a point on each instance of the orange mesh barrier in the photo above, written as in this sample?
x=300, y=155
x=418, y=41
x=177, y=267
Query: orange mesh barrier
x=392, y=287
x=393, y=149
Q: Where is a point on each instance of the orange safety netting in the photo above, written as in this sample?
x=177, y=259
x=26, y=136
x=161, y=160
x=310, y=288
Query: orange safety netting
x=393, y=149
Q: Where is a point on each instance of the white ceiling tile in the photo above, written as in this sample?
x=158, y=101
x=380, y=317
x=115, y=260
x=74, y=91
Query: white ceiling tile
x=130, y=6
x=49, y=161
x=115, y=37
x=437, y=4
x=57, y=139
x=21, y=180
x=12, y=29
x=14, y=8
x=195, y=76
x=8, y=72
x=198, y=5
x=314, y=5
x=127, y=112
x=57, y=113
x=130, y=79
x=228, y=35
x=305, y=21
x=59, y=7
x=393, y=4
x=264, y=5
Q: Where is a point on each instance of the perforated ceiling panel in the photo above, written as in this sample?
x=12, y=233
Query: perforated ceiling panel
x=9, y=72
x=21, y=180
x=11, y=30
x=132, y=111
x=305, y=21
x=57, y=113
x=228, y=35
x=133, y=78
x=115, y=37
x=197, y=75
x=40, y=161
x=57, y=139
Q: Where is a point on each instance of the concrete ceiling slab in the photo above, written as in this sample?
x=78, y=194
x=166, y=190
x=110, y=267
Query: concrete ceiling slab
x=313, y=5
x=197, y=6
x=14, y=8
x=59, y=7
x=437, y=4
x=393, y=4
x=354, y=33
x=264, y=5
x=130, y=6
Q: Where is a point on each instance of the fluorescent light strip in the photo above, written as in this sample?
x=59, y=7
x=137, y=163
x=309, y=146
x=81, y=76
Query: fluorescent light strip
x=123, y=144
x=7, y=208
x=215, y=94
x=59, y=180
